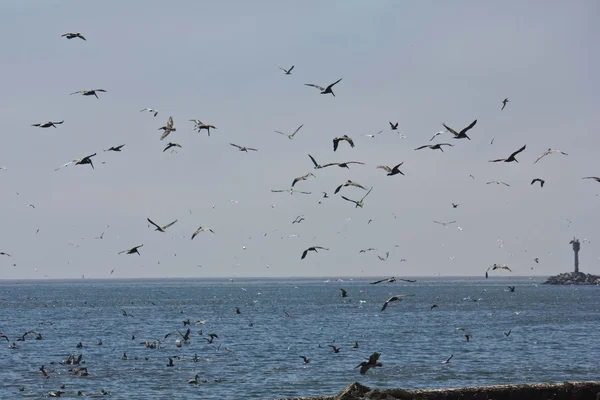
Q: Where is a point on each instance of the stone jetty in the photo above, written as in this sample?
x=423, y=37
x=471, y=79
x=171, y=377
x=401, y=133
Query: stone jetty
x=573, y=278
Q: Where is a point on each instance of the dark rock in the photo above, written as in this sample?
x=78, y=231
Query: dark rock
x=573, y=278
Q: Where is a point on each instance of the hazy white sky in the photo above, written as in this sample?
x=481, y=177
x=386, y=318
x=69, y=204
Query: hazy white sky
x=418, y=63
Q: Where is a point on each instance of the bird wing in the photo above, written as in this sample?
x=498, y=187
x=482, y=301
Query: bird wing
x=357, y=162
x=366, y=194
x=304, y=253
x=385, y=168
x=170, y=123
x=315, y=86
x=235, y=145
x=385, y=305
x=347, y=199
x=251, y=149
x=64, y=165
x=452, y=131
x=334, y=83
x=281, y=133
x=296, y=131
x=169, y=224
x=290, y=70
x=407, y=280
x=58, y=123
x=166, y=133
x=544, y=154
x=99, y=90
x=518, y=151
x=422, y=147
x=313, y=160
x=379, y=281
x=468, y=127
x=157, y=227
x=350, y=141
x=498, y=160
x=338, y=189
x=79, y=91
x=335, y=143
x=505, y=184
x=330, y=165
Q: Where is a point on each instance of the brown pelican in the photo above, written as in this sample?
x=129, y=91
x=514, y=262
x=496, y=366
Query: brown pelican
x=462, y=134
x=291, y=137
x=510, y=158
x=393, y=126
x=398, y=297
x=79, y=161
x=201, y=229
x=200, y=125
x=391, y=280
x=444, y=224
x=242, y=148
x=360, y=202
x=541, y=181
x=334, y=349
x=504, y=103
x=348, y=183
x=306, y=359
x=336, y=141
x=498, y=183
x=287, y=71
x=324, y=90
x=301, y=178
x=161, y=229
x=387, y=255
x=73, y=36
x=133, y=250
x=171, y=145
x=290, y=190
x=392, y=171
x=372, y=363
x=313, y=248
x=435, y=146
x=48, y=124
x=343, y=164
x=115, y=148
x=344, y=292
x=167, y=129
x=548, y=152
x=597, y=179
x=151, y=110
x=497, y=266
x=91, y=92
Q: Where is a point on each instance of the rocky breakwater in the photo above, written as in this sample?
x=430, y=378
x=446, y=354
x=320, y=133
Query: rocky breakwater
x=573, y=278
x=560, y=391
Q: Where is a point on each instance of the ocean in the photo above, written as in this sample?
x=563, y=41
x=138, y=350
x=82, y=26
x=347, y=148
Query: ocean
x=553, y=337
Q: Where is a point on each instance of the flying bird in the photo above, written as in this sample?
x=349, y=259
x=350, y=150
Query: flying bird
x=435, y=146
x=510, y=158
x=287, y=71
x=455, y=205
x=365, y=250
x=80, y=161
x=462, y=134
x=298, y=219
x=133, y=250
x=325, y=90
x=301, y=178
x=161, y=229
x=372, y=363
x=334, y=349
x=398, y=297
x=315, y=163
x=306, y=359
x=343, y=293
x=504, y=103
x=507, y=334
x=167, y=129
x=91, y=92
x=199, y=125
x=290, y=190
x=394, y=126
x=448, y=359
x=313, y=248
x=201, y=229
x=359, y=203
x=541, y=181
x=242, y=148
x=171, y=145
x=291, y=137
x=387, y=255
x=444, y=224
x=348, y=183
x=150, y=110
x=548, y=152
x=48, y=124
x=343, y=164
x=498, y=183
x=392, y=171
x=336, y=141
x=4, y=254
x=497, y=266
x=73, y=36
x=115, y=148
x=597, y=179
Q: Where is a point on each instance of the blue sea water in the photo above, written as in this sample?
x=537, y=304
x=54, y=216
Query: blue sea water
x=554, y=335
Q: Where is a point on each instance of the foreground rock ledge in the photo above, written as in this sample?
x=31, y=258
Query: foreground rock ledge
x=542, y=391
x=573, y=278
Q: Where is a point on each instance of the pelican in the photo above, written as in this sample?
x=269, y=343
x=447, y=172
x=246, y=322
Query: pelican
x=498, y=183
x=4, y=254
x=510, y=158
x=497, y=266
x=91, y=92
x=391, y=280
x=133, y=250
x=291, y=137
x=306, y=359
x=291, y=190
x=398, y=297
x=242, y=148
x=200, y=125
x=548, y=152
x=171, y=145
x=301, y=178
x=455, y=205
x=325, y=90
x=73, y=36
x=348, y=183
x=597, y=179
x=161, y=229
x=435, y=146
x=150, y=110
x=343, y=164
x=392, y=171
x=372, y=363
x=336, y=141
x=167, y=129
x=344, y=293
x=504, y=103
x=462, y=134
x=115, y=148
x=48, y=124
x=360, y=202
x=201, y=229
x=393, y=126
x=287, y=71
x=541, y=181
x=79, y=161
x=313, y=248
x=444, y=224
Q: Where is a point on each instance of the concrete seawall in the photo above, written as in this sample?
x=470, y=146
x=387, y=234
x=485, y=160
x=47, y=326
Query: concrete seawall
x=542, y=391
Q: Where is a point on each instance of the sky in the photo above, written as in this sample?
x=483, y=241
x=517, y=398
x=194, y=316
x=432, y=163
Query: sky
x=417, y=63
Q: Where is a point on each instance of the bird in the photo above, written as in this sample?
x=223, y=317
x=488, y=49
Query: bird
x=597, y=179
x=393, y=126
x=548, y=152
x=291, y=190
x=511, y=288
x=435, y=146
x=327, y=89
x=387, y=255
x=242, y=148
x=48, y=124
x=133, y=250
x=444, y=224
x=498, y=183
x=91, y=92
x=115, y=148
x=495, y=267
x=344, y=293
x=334, y=348
x=291, y=137
x=170, y=363
x=313, y=248
x=200, y=125
x=462, y=134
x=343, y=164
x=398, y=297
x=336, y=141
x=195, y=380
x=537, y=260
x=287, y=71
x=371, y=363
x=201, y=229
x=126, y=314
x=306, y=359
x=436, y=134
x=373, y=135
x=504, y=103
x=151, y=110
x=455, y=205
x=298, y=219
x=468, y=336
x=448, y=359
x=541, y=181
x=315, y=163
x=171, y=145
x=510, y=158
x=360, y=202
x=348, y=183
x=507, y=334
x=161, y=229
x=433, y=306
x=73, y=36
x=392, y=171
x=4, y=254
x=167, y=129
x=301, y=178
x=80, y=161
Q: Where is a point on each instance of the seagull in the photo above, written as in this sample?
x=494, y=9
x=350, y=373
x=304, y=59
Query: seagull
x=313, y=248
x=435, y=146
x=510, y=158
x=387, y=255
x=448, y=360
x=392, y=171
x=79, y=161
x=287, y=71
x=504, y=103
x=365, y=250
x=336, y=140
x=291, y=137
x=597, y=179
x=393, y=126
x=115, y=148
x=48, y=124
x=324, y=90
x=436, y=134
x=242, y=148
x=455, y=205
x=398, y=297
x=133, y=250
x=360, y=202
x=73, y=36
x=344, y=292
x=161, y=229
x=167, y=129
x=372, y=363
x=91, y=92
x=549, y=151
x=541, y=181
x=171, y=145
x=462, y=134
x=301, y=178
x=291, y=190
x=201, y=229
x=298, y=219
x=348, y=183
x=306, y=359
x=150, y=110
x=372, y=136
x=498, y=183
x=444, y=224
x=200, y=125
x=343, y=164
